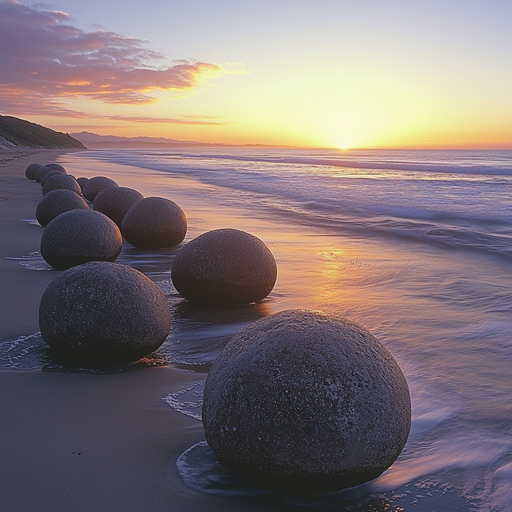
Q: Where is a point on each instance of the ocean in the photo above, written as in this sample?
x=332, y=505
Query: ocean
x=414, y=245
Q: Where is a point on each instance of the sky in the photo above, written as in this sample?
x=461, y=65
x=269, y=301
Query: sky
x=316, y=73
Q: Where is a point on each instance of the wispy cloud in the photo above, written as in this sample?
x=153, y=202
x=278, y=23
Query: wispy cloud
x=44, y=58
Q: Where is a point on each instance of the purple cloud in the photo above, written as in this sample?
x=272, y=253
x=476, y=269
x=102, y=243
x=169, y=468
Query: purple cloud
x=43, y=57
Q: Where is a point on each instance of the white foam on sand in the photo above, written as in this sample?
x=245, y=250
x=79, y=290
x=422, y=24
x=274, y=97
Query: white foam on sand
x=188, y=400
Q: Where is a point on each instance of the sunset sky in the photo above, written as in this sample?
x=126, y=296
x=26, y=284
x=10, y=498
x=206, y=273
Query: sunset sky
x=327, y=73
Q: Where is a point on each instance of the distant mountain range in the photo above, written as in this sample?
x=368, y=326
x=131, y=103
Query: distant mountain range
x=26, y=134
x=93, y=140
x=15, y=132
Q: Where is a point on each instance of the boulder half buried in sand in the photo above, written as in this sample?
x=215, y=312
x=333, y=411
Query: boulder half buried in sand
x=48, y=175
x=104, y=313
x=30, y=171
x=154, y=223
x=115, y=202
x=306, y=402
x=82, y=181
x=58, y=167
x=224, y=266
x=44, y=169
x=79, y=236
x=56, y=202
x=61, y=181
x=94, y=185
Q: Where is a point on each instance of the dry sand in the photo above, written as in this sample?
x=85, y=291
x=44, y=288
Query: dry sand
x=82, y=442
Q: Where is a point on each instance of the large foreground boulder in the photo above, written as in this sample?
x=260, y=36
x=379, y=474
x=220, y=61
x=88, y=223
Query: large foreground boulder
x=154, y=223
x=104, y=313
x=224, y=266
x=306, y=402
x=56, y=202
x=61, y=181
x=115, y=202
x=94, y=185
x=79, y=236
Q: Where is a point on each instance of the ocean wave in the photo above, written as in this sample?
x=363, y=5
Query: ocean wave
x=466, y=207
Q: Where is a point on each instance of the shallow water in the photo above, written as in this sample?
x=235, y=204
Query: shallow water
x=415, y=246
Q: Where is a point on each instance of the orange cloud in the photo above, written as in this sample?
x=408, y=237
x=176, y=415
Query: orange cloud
x=43, y=57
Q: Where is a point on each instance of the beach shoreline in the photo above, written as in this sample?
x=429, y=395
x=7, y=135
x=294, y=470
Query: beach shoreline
x=72, y=441
x=76, y=440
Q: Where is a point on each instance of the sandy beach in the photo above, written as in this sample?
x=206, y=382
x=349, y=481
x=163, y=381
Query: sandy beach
x=78, y=442
x=74, y=440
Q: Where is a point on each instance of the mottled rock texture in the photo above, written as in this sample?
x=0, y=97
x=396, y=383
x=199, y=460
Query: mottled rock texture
x=79, y=236
x=56, y=202
x=115, y=202
x=224, y=266
x=94, y=185
x=154, y=223
x=82, y=181
x=57, y=167
x=48, y=175
x=104, y=313
x=30, y=171
x=306, y=402
x=61, y=181
x=42, y=171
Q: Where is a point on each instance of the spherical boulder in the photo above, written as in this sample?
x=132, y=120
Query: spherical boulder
x=57, y=167
x=104, y=313
x=154, y=223
x=30, y=171
x=78, y=236
x=94, y=185
x=48, y=175
x=56, y=202
x=224, y=266
x=82, y=181
x=44, y=169
x=306, y=402
x=115, y=202
x=61, y=181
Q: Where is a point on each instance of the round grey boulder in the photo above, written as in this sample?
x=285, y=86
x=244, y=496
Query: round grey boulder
x=61, y=181
x=56, y=202
x=30, y=171
x=78, y=236
x=306, y=402
x=104, y=313
x=224, y=266
x=115, y=202
x=154, y=223
x=48, y=175
x=57, y=167
x=44, y=169
x=82, y=181
x=94, y=185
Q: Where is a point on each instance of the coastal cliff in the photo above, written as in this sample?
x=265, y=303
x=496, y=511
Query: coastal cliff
x=15, y=133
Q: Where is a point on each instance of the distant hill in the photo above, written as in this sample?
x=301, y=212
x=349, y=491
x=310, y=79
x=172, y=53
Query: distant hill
x=26, y=134
x=93, y=140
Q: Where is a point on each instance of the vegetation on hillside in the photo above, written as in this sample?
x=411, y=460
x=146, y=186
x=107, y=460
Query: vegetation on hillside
x=27, y=134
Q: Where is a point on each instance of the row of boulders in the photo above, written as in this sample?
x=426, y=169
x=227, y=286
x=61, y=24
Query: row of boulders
x=300, y=400
x=225, y=266
x=87, y=219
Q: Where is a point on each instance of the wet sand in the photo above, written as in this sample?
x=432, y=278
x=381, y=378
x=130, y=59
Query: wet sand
x=81, y=442
x=92, y=442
